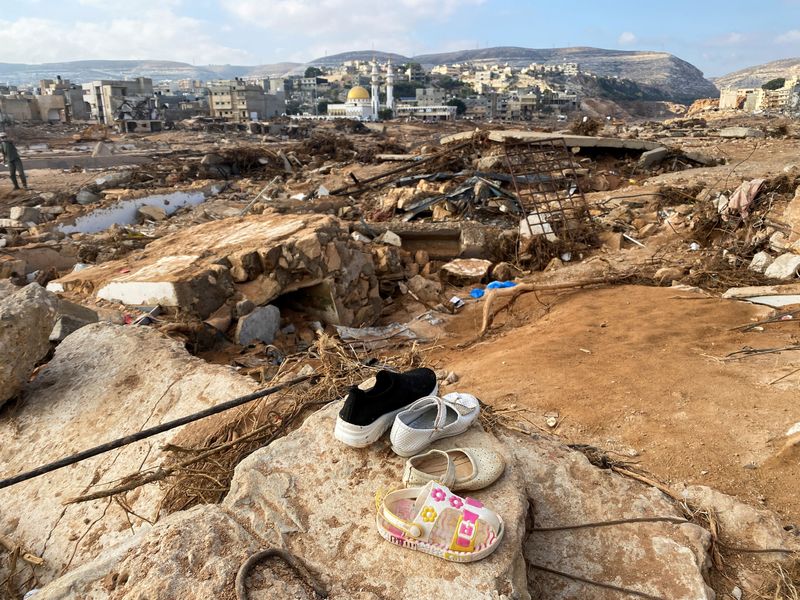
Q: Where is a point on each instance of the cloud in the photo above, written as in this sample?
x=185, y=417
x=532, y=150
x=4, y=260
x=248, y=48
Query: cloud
x=790, y=37
x=339, y=25
x=627, y=38
x=154, y=33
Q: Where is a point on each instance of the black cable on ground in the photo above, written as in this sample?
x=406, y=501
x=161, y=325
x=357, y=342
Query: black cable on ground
x=607, y=586
x=146, y=433
x=290, y=559
x=675, y=520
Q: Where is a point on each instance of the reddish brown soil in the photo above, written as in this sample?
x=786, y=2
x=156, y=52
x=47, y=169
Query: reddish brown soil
x=632, y=370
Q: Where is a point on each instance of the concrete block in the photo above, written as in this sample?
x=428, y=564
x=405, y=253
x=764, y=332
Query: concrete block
x=740, y=132
x=86, y=197
x=151, y=213
x=465, y=271
x=260, y=325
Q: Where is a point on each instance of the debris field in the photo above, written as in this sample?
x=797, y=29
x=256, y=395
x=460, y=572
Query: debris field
x=625, y=305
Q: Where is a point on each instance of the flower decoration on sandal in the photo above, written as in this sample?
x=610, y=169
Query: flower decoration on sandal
x=428, y=514
x=456, y=502
x=438, y=494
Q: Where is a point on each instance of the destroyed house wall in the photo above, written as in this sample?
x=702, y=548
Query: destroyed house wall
x=259, y=258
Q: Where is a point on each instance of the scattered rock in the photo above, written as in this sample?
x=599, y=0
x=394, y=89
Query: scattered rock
x=86, y=197
x=669, y=274
x=151, y=213
x=425, y=289
x=27, y=317
x=260, y=325
x=101, y=149
x=505, y=271
x=244, y=307
x=761, y=260
x=653, y=157
x=391, y=238
x=465, y=271
x=25, y=214
x=783, y=267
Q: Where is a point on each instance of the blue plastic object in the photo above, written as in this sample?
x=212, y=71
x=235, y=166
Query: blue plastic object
x=476, y=293
x=500, y=284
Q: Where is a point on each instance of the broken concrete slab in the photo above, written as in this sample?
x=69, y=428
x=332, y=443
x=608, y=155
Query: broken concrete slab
x=572, y=141
x=194, y=268
x=653, y=157
x=27, y=317
x=783, y=267
x=741, y=132
x=465, y=271
x=769, y=295
x=425, y=289
x=259, y=325
x=104, y=381
x=71, y=317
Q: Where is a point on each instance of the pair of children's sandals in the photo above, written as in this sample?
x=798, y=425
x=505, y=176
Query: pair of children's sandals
x=427, y=516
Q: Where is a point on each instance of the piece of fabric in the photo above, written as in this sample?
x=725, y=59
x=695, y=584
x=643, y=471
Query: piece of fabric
x=743, y=197
x=476, y=293
x=500, y=284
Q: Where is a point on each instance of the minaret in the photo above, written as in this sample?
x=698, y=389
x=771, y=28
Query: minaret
x=376, y=99
x=390, y=86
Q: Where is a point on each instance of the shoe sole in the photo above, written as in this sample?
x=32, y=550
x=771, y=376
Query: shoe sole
x=361, y=436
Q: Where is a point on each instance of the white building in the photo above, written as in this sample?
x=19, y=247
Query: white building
x=362, y=105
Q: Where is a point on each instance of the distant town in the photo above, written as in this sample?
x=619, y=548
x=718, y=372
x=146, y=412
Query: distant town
x=364, y=90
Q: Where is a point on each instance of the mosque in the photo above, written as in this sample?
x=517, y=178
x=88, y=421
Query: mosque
x=360, y=103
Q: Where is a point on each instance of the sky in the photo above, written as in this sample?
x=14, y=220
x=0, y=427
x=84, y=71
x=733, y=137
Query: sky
x=716, y=36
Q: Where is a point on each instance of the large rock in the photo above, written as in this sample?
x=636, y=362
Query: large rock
x=783, y=267
x=259, y=325
x=105, y=381
x=311, y=495
x=662, y=559
x=27, y=317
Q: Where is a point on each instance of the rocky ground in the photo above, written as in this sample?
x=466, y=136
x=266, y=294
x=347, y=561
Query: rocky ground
x=640, y=379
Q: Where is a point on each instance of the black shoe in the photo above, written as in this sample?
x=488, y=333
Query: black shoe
x=368, y=413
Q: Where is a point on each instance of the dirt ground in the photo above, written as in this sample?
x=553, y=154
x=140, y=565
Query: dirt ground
x=637, y=371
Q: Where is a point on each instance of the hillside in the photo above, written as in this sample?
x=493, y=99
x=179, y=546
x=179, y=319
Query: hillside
x=89, y=70
x=677, y=79
x=760, y=74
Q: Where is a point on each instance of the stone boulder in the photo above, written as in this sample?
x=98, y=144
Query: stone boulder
x=465, y=271
x=104, y=381
x=27, y=317
x=314, y=497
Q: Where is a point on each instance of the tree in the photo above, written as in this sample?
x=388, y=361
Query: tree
x=385, y=114
x=313, y=72
x=292, y=107
x=461, y=108
x=322, y=107
x=774, y=84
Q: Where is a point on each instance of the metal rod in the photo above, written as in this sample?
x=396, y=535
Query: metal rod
x=146, y=433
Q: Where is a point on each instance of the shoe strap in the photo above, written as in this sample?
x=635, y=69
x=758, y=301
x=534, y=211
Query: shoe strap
x=447, y=479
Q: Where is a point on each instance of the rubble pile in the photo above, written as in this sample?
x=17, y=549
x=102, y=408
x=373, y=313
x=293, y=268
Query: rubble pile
x=227, y=259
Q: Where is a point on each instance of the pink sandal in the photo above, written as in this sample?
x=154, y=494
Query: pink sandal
x=432, y=519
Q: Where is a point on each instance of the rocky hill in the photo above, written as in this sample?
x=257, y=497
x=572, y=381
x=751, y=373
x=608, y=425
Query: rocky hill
x=677, y=79
x=760, y=74
x=158, y=70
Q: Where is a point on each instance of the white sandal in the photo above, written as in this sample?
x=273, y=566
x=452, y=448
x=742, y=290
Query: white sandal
x=432, y=418
x=457, y=468
x=433, y=520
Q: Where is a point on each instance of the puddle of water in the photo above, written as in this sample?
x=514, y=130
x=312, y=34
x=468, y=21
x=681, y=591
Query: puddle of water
x=124, y=211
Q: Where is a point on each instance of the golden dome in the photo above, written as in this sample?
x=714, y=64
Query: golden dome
x=358, y=93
